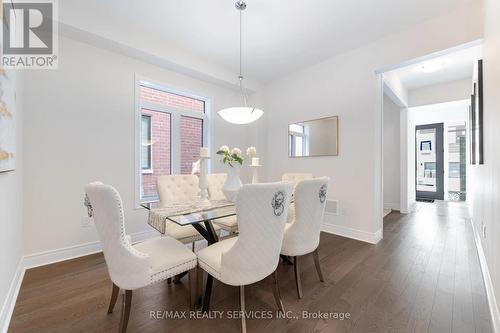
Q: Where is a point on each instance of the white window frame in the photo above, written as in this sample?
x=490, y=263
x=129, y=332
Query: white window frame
x=292, y=136
x=175, y=121
x=150, y=170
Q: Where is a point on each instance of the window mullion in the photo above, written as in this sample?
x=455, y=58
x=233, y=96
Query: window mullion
x=176, y=143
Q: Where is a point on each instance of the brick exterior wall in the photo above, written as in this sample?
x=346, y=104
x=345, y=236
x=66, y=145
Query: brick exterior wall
x=168, y=99
x=191, y=135
x=191, y=141
x=160, y=137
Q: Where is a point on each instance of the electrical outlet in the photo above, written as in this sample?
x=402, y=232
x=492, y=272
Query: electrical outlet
x=86, y=222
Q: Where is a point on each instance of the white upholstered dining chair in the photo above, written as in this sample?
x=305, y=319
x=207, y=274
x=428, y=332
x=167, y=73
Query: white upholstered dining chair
x=215, y=183
x=294, y=178
x=303, y=233
x=253, y=255
x=134, y=266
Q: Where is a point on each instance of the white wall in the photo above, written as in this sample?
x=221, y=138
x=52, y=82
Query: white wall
x=346, y=85
x=79, y=127
x=441, y=93
x=484, y=182
x=392, y=186
x=11, y=208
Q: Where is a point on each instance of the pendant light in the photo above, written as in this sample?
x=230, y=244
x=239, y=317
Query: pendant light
x=241, y=114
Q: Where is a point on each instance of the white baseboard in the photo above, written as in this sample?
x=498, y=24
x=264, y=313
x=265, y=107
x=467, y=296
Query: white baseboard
x=71, y=252
x=490, y=292
x=50, y=257
x=369, y=237
x=57, y=255
x=11, y=297
x=410, y=209
x=392, y=205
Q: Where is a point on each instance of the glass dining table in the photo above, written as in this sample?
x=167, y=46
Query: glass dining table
x=200, y=215
x=197, y=214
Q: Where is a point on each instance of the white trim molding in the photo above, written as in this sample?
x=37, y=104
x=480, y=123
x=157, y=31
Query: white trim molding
x=412, y=208
x=72, y=252
x=392, y=205
x=11, y=297
x=364, y=236
x=50, y=257
x=488, y=284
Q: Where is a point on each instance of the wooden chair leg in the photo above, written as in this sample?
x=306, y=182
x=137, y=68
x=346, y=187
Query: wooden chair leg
x=192, y=289
x=199, y=284
x=318, y=267
x=276, y=291
x=297, y=276
x=114, y=296
x=243, y=309
x=126, y=311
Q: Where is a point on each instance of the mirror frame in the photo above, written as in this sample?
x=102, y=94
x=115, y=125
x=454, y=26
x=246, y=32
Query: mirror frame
x=304, y=121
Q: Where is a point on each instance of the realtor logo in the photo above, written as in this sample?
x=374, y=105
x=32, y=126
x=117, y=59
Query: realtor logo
x=29, y=34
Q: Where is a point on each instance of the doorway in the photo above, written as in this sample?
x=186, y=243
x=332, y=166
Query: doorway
x=429, y=162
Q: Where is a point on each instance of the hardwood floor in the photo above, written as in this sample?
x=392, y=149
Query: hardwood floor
x=424, y=276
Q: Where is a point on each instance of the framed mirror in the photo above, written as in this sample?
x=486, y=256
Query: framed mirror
x=318, y=137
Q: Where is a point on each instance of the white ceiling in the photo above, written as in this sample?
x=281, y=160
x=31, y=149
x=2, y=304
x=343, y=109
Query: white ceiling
x=279, y=36
x=457, y=65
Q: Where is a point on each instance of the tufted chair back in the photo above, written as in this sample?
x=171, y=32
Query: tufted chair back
x=215, y=183
x=302, y=236
x=295, y=178
x=177, y=188
x=128, y=268
x=262, y=212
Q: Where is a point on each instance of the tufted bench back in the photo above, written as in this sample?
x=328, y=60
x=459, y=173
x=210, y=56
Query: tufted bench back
x=215, y=183
x=177, y=188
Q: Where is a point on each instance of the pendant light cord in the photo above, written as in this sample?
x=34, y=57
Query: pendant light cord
x=240, y=77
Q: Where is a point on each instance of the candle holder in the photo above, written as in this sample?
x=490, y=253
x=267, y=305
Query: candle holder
x=255, y=172
x=203, y=182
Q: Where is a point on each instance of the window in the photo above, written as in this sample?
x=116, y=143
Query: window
x=297, y=140
x=173, y=127
x=146, y=143
x=454, y=170
x=429, y=169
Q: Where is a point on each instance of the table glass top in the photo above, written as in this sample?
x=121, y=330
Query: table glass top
x=185, y=213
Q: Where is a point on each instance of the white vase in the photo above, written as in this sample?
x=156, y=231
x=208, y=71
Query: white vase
x=233, y=183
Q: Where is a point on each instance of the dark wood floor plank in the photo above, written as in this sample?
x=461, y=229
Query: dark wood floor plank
x=463, y=309
x=442, y=310
x=424, y=276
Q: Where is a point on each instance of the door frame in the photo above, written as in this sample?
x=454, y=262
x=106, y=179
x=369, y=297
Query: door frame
x=439, y=194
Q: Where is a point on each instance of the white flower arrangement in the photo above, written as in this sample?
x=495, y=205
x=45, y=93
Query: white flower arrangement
x=230, y=156
x=236, y=151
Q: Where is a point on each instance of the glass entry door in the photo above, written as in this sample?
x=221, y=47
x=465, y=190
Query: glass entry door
x=429, y=168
